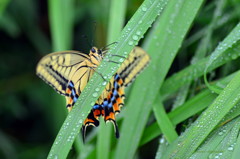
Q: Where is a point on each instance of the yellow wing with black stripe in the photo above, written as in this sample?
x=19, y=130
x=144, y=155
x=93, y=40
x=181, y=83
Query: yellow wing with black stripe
x=137, y=60
x=58, y=68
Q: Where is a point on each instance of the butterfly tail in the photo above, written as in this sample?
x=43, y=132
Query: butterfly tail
x=109, y=116
x=92, y=119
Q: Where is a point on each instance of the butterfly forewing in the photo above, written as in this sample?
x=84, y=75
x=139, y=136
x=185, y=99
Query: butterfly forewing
x=58, y=68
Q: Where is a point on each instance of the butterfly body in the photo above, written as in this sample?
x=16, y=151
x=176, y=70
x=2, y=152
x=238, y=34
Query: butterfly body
x=68, y=72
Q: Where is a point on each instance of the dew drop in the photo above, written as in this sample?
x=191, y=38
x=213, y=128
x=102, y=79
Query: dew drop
x=138, y=32
x=97, y=89
x=80, y=122
x=144, y=8
x=104, y=83
x=121, y=60
x=135, y=37
x=130, y=43
x=230, y=148
x=94, y=94
x=162, y=140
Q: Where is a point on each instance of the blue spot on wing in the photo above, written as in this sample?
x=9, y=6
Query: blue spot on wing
x=96, y=106
x=73, y=92
x=105, y=103
x=71, y=84
x=113, y=98
x=115, y=84
x=115, y=93
x=110, y=105
x=116, y=76
x=75, y=99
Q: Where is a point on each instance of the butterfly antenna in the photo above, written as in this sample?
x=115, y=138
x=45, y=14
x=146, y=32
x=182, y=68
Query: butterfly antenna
x=108, y=45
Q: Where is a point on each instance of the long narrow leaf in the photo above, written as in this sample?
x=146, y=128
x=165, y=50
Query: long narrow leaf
x=186, y=144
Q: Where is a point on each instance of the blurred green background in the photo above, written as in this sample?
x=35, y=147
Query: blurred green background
x=31, y=112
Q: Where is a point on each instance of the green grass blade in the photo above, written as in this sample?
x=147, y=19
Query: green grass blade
x=220, y=143
x=115, y=25
x=229, y=42
x=183, y=112
x=164, y=122
x=191, y=107
x=236, y=152
x=225, y=52
x=162, y=45
x=70, y=128
x=187, y=144
x=116, y=19
x=61, y=20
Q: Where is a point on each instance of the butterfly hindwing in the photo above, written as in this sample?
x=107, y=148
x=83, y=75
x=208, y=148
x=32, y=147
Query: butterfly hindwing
x=133, y=65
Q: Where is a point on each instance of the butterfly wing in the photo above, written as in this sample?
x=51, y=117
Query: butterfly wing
x=67, y=72
x=137, y=60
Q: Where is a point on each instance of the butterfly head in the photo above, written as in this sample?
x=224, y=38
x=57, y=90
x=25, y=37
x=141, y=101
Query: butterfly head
x=95, y=50
x=95, y=55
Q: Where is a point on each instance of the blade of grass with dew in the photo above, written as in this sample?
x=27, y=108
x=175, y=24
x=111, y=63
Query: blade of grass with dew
x=187, y=143
x=162, y=146
x=236, y=152
x=147, y=13
x=226, y=51
x=221, y=142
x=115, y=25
x=178, y=115
x=225, y=19
x=188, y=109
x=162, y=45
x=205, y=43
x=164, y=122
x=232, y=39
x=201, y=51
